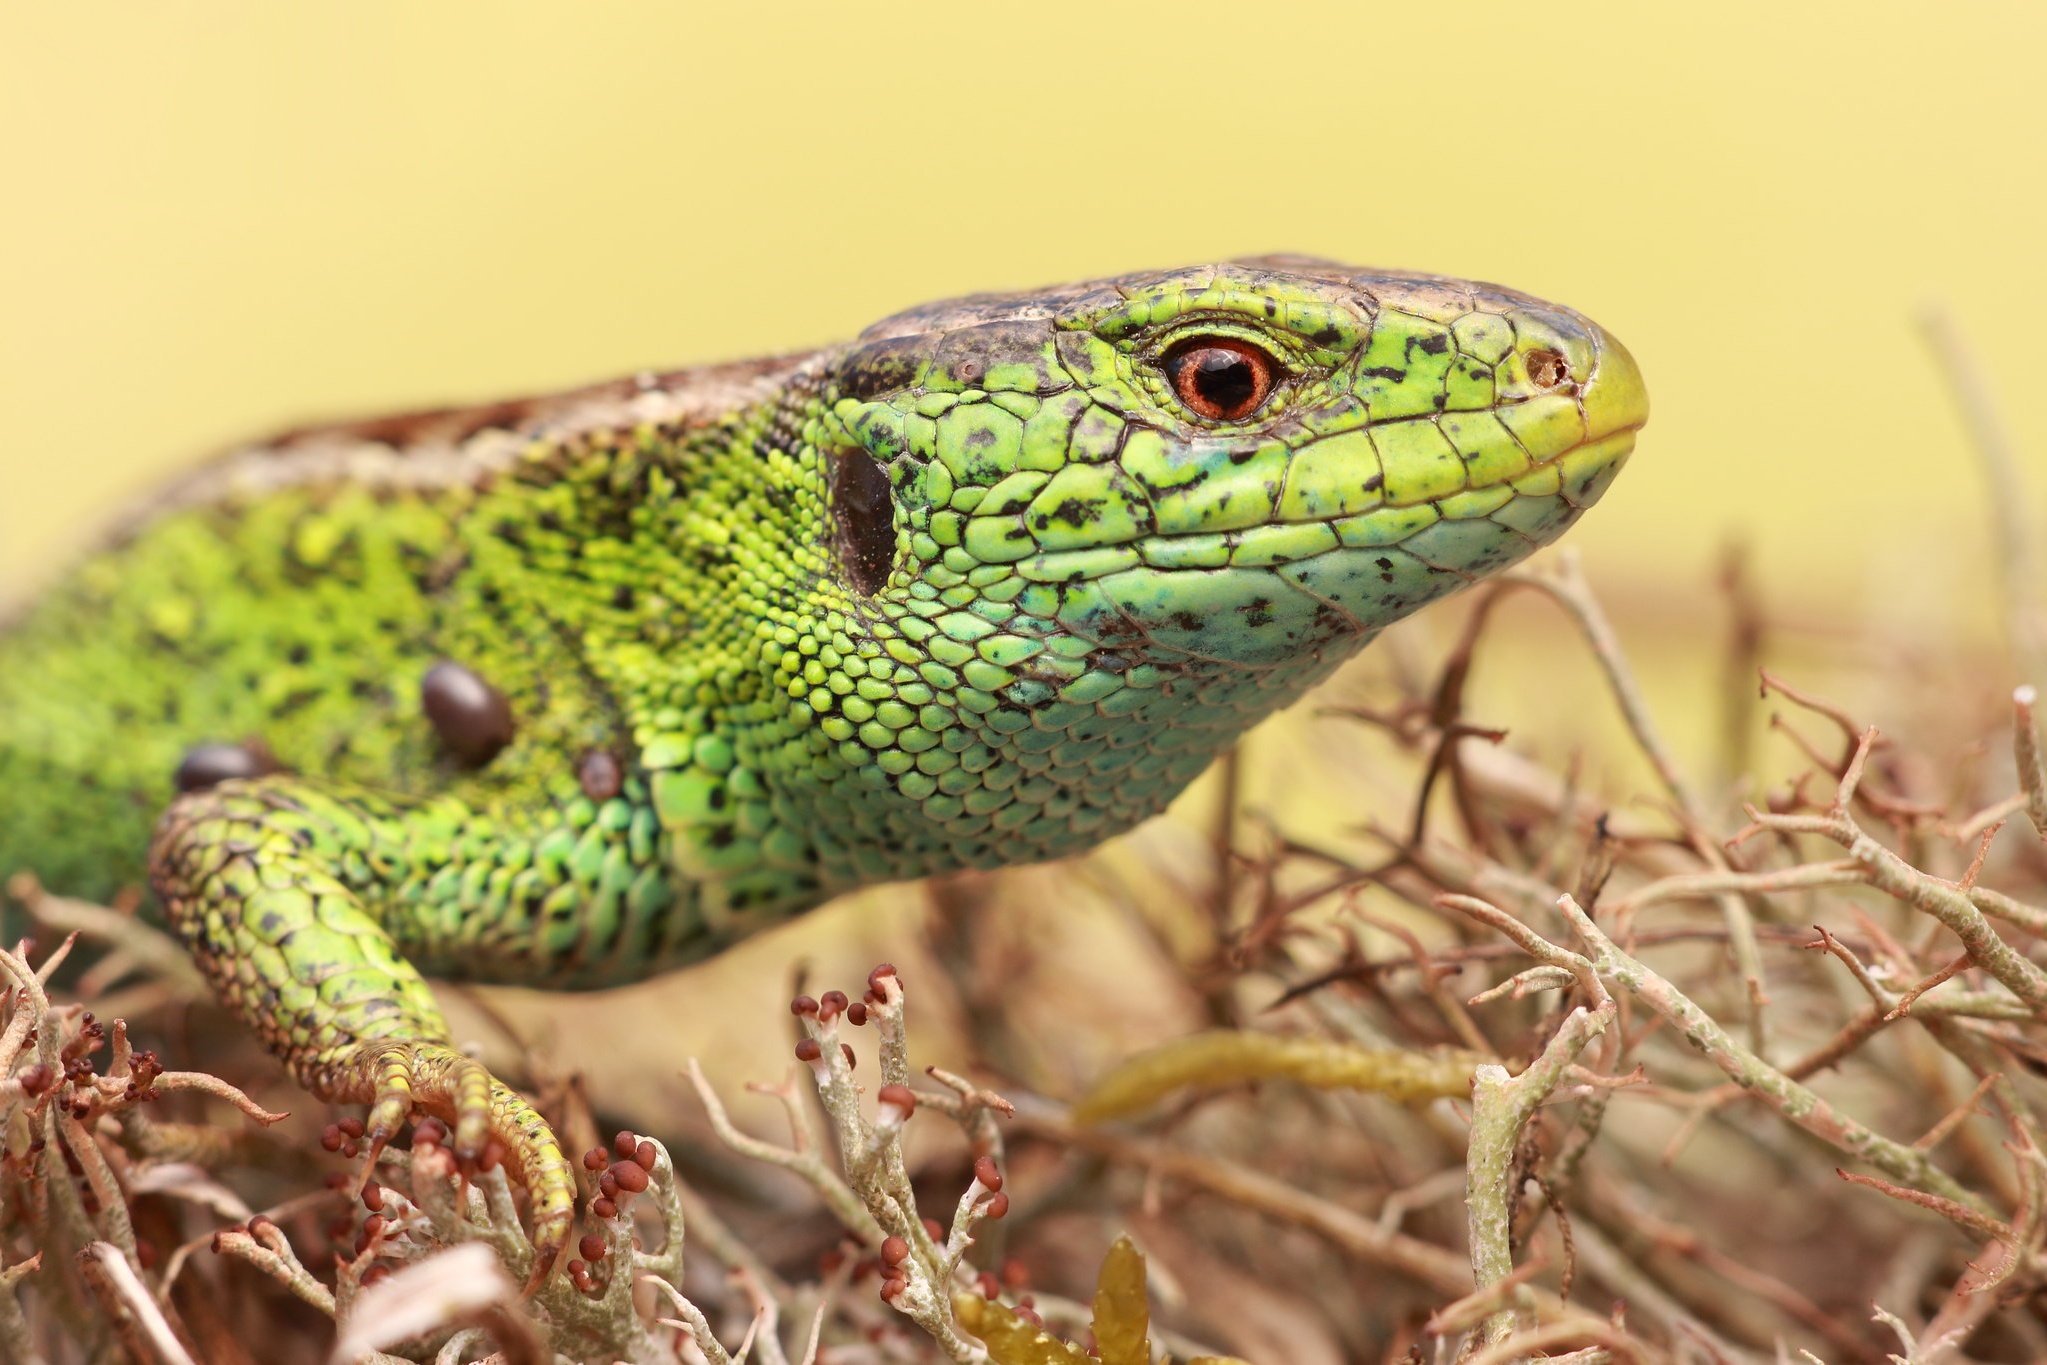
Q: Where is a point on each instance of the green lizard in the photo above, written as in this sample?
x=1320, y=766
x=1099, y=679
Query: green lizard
x=575, y=689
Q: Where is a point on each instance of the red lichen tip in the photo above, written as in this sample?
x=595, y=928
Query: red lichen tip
x=985, y=1172
x=898, y=1097
x=803, y=1005
x=603, y=1207
x=874, y=977
x=847, y=1050
x=593, y=1246
x=856, y=1014
x=647, y=1154
x=997, y=1205
x=631, y=1176
x=831, y=1004
x=894, y=1251
x=625, y=1142
x=596, y=1159
x=808, y=1050
x=372, y=1228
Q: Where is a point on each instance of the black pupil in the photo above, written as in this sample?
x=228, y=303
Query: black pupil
x=1223, y=378
x=863, y=505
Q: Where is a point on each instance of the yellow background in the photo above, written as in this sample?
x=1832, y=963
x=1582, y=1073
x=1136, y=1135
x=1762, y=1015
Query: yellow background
x=220, y=218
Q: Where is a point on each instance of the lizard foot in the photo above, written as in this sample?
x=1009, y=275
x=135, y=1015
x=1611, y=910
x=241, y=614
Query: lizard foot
x=491, y=1122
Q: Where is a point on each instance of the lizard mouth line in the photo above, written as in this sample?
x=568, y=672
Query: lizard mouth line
x=1567, y=482
x=1260, y=598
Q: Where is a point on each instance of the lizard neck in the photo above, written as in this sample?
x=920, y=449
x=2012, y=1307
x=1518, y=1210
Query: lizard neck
x=795, y=737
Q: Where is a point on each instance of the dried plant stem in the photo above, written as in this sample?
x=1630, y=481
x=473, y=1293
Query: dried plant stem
x=1997, y=905
x=1435, y=1267
x=143, y=945
x=1946, y=1208
x=14, y=1336
x=802, y=1161
x=273, y=1256
x=1500, y=1106
x=1613, y=1343
x=1775, y=1089
x=1503, y=1105
x=1568, y=589
x=1620, y=1206
x=2018, y=561
x=1702, y=885
x=710, y=1232
x=2025, y=743
x=1960, y=1114
x=137, y=1320
x=1944, y=901
x=1629, y=1280
x=180, y=1257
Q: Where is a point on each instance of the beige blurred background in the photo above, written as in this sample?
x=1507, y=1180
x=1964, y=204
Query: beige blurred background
x=218, y=218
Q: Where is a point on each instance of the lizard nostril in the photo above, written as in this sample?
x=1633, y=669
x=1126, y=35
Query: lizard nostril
x=1547, y=369
x=864, y=519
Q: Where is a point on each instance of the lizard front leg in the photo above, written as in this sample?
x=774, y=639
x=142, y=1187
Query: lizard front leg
x=300, y=900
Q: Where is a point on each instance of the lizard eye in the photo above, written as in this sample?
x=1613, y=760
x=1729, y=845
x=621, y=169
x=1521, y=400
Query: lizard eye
x=1220, y=378
x=864, y=520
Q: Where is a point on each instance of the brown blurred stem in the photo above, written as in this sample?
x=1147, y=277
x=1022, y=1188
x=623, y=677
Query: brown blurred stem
x=2017, y=559
x=1744, y=657
x=1568, y=589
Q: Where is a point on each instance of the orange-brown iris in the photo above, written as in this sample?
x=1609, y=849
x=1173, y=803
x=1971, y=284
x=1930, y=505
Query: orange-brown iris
x=1220, y=378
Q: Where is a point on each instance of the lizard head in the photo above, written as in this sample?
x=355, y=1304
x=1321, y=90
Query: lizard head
x=1048, y=554
x=1250, y=466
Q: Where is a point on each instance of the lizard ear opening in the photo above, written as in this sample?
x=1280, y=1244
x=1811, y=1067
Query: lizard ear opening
x=864, y=520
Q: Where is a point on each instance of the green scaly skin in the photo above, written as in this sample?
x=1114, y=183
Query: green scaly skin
x=1093, y=591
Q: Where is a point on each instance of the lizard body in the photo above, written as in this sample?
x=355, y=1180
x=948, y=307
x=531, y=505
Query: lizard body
x=570, y=690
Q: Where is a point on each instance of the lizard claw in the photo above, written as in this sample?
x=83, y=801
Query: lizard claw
x=491, y=1122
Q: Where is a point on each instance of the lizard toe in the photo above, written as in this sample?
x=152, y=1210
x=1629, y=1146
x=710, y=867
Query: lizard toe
x=533, y=1149
x=491, y=1122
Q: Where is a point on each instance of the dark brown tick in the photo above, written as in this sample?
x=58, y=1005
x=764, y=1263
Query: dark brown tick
x=472, y=718
x=599, y=775
x=209, y=765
